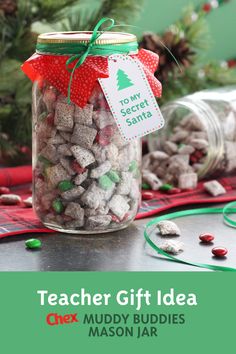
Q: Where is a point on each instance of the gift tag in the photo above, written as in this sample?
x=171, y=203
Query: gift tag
x=130, y=98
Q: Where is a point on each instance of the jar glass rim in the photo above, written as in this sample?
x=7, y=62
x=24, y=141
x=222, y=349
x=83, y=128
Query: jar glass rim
x=85, y=36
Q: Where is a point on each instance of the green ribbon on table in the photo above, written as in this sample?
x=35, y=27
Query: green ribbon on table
x=228, y=209
x=80, y=51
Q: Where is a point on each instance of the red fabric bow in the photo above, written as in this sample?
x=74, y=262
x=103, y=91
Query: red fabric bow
x=53, y=69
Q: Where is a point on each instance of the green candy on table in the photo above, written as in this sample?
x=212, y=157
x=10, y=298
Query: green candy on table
x=146, y=186
x=33, y=243
x=57, y=206
x=113, y=175
x=65, y=186
x=165, y=187
x=105, y=182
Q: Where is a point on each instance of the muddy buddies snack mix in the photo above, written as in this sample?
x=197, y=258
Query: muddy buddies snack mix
x=197, y=142
x=93, y=99
x=86, y=176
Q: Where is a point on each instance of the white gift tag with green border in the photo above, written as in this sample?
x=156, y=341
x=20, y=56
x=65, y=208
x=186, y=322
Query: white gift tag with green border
x=130, y=98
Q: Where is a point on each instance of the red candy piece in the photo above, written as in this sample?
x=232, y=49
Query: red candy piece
x=107, y=131
x=193, y=159
x=77, y=168
x=219, y=251
x=206, y=238
x=148, y=195
x=174, y=191
x=50, y=119
x=4, y=190
x=102, y=140
x=114, y=218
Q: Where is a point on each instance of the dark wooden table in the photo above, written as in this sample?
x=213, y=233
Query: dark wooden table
x=123, y=250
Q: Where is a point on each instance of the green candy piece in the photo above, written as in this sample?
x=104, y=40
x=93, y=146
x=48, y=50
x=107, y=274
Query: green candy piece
x=181, y=145
x=42, y=116
x=65, y=186
x=57, y=206
x=133, y=166
x=146, y=186
x=45, y=161
x=113, y=175
x=33, y=243
x=165, y=187
x=105, y=182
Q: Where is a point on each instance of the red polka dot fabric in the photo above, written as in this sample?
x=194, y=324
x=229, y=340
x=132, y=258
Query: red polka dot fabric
x=53, y=69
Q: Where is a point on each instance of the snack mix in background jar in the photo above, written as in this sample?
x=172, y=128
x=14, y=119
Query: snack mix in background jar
x=198, y=140
x=86, y=177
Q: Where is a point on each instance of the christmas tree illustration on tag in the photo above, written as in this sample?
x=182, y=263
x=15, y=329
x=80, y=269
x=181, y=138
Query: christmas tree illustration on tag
x=123, y=81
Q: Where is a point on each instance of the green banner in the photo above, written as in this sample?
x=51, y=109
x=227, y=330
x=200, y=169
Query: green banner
x=104, y=312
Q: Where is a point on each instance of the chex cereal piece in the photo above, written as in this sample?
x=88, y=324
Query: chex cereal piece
x=118, y=206
x=214, y=188
x=99, y=153
x=100, y=170
x=181, y=135
x=83, y=135
x=75, y=211
x=158, y=155
x=93, y=196
x=199, y=143
x=49, y=98
x=57, y=139
x=125, y=184
x=102, y=118
x=66, y=135
x=172, y=246
x=64, y=149
x=98, y=222
x=152, y=180
x=170, y=147
x=80, y=178
x=28, y=202
x=56, y=174
x=50, y=153
x=84, y=115
x=187, y=181
x=73, y=193
x=186, y=149
x=66, y=163
x=83, y=156
x=168, y=228
x=64, y=116
x=10, y=199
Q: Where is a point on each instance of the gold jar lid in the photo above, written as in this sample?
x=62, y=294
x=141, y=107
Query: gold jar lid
x=85, y=36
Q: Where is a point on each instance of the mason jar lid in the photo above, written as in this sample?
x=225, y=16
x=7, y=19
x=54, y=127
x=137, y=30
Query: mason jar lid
x=85, y=36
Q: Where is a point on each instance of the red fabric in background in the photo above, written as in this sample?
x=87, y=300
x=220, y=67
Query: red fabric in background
x=13, y=176
x=17, y=219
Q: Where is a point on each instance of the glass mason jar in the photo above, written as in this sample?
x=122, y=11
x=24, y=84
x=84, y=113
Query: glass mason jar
x=86, y=177
x=206, y=121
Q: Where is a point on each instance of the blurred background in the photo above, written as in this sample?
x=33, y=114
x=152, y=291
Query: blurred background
x=199, y=34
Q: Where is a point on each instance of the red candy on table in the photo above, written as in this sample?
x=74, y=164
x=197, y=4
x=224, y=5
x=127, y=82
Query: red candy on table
x=219, y=251
x=206, y=238
x=148, y=195
x=174, y=191
x=4, y=190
